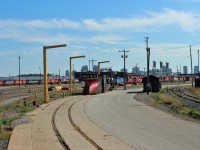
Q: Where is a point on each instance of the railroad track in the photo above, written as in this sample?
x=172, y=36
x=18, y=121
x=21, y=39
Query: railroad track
x=58, y=134
x=182, y=93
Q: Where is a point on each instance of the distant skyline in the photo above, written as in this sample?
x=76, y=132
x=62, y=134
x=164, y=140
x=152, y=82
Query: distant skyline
x=97, y=29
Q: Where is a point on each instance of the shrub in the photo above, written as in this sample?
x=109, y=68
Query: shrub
x=190, y=112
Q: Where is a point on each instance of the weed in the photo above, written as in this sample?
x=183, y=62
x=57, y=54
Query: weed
x=164, y=90
x=169, y=100
x=190, y=112
x=77, y=128
x=60, y=139
x=5, y=135
x=24, y=109
x=195, y=91
x=185, y=111
x=1, y=108
x=156, y=96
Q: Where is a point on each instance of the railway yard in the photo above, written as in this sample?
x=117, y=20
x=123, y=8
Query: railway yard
x=105, y=75
x=15, y=102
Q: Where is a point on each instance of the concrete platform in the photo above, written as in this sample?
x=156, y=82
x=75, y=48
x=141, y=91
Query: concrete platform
x=39, y=135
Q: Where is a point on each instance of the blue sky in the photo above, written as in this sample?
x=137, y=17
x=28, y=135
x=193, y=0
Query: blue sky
x=97, y=29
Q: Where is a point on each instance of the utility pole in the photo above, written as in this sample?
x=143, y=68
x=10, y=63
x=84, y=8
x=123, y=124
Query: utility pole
x=191, y=64
x=180, y=68
x=148, y=59
x=124, y=56
x=198, y=61
x=19, y=69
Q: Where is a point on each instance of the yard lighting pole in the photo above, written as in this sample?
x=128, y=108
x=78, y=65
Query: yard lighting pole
x=19, y=69
x=70, y=89
x=99, y=65
x=124, y=56
x=46, y=95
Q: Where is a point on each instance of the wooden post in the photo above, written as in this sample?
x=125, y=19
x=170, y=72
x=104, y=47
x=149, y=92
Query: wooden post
x=63, y=94
x=35, y=100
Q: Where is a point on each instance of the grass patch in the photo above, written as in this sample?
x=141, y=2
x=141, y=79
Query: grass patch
x=190, y=112
x=5, y=135
x=1, y=108
x=173, y=104
x=165, y=99
x=25, y=109
x=164, y=90
x=195, y=91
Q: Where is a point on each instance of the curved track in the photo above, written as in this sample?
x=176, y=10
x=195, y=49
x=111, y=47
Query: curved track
x=181, y=92
x=62, y=142
x=58, y=134
x=79, y=130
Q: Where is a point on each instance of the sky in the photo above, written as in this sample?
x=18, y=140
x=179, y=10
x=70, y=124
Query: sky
x=97, y=29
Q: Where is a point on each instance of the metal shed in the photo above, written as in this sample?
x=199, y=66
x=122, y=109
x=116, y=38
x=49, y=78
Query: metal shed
x=154, y=82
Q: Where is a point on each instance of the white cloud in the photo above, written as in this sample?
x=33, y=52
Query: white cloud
x=107, y=30
x=111, y=39
x=53, y=23
x=76, y=53
x=186, y=20
x=28, y=51
x=8, y=52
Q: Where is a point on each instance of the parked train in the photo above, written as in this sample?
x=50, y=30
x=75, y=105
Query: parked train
x=118, y=80
x=29, y=82
x=138, y=80
x=174, y=79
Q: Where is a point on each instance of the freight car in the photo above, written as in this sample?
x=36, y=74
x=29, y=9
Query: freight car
x=134, y=80
x=1, y=82
x=5, y=82
x=173, y=79
x=30, y=82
